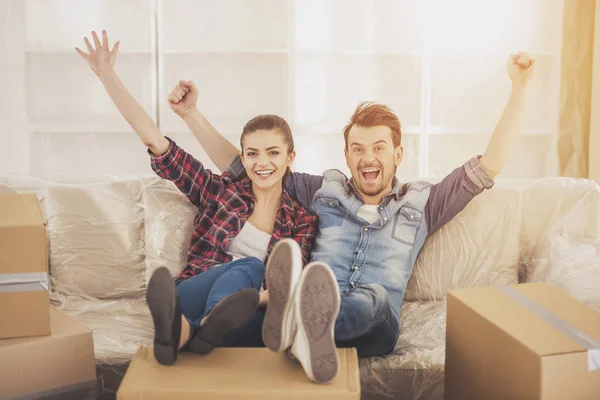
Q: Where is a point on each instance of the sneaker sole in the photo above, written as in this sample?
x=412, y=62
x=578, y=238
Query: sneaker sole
x=318, y=305
x=281, y=280
x=161, y=297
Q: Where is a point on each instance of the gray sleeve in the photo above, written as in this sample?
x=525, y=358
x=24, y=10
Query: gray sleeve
x=302, y=187
x=450, y=196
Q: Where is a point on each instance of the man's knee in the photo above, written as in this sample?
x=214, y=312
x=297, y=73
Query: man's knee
x=377, y=292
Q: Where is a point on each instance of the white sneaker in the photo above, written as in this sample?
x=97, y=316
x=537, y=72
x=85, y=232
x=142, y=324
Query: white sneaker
x=282, y=275
x=317, y=304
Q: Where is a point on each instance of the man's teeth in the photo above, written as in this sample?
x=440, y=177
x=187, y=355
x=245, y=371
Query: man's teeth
x=370, y=170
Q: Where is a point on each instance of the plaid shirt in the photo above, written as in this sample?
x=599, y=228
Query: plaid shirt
x=224, y=207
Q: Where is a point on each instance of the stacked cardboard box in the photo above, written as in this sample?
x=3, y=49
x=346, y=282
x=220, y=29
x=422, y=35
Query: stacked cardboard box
x=44, y=353
x=527, y=341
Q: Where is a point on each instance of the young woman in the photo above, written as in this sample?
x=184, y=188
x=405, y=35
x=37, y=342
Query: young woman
x=239, y=224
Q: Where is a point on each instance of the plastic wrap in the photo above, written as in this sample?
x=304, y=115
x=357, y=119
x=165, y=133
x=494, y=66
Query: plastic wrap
x=415, y=369
x=169, y=224
x=106, y=238
x=561, y=237
x=480, y=246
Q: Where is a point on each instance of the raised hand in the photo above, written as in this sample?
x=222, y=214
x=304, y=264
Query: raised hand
x=99, y=57
x=521, y=69
x=183, y=98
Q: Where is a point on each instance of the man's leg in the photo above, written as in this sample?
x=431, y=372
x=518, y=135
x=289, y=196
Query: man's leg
x=316, y=303
x=366, y=321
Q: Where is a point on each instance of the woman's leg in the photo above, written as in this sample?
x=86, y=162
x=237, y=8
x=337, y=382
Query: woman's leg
x=231, y=303
x=241, y=274
x=193, y=293
x=199, y=294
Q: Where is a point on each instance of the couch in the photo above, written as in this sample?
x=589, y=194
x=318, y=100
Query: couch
x=106, y=238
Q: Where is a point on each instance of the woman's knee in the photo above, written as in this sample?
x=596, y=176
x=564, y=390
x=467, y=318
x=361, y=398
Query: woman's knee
x=255, y=269
x=255, y=265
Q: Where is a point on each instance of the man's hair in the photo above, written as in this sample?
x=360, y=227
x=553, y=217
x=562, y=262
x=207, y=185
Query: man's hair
x=369, y=114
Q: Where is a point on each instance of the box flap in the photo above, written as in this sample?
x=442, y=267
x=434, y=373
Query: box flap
x=528, y=328
x=235, y=373
x=20, y=210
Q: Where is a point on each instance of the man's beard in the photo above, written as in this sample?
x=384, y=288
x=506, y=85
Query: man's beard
x=372, y=192
x=386, y=181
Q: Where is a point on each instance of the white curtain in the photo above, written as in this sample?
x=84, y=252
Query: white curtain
x=440, y=65
x=14, y=132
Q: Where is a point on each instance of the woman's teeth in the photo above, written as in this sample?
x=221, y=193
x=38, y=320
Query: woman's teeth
x=265, y=173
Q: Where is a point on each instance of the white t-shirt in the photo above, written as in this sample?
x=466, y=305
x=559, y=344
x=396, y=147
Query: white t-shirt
x=250, y=242
x=369, y=213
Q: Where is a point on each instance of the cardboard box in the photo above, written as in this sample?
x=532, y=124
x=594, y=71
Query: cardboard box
x=232, y=374
x=49, y=366
x=24, y=298
x=527, y=341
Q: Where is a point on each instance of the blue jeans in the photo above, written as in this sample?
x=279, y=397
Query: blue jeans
x=366, y=321
x=199, y=294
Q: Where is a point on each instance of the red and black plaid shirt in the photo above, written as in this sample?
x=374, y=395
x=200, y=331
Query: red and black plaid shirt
x=224, y=207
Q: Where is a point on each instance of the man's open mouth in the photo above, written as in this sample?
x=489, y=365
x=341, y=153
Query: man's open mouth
x=370, y=174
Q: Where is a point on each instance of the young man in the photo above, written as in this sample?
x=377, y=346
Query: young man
x=371, y=227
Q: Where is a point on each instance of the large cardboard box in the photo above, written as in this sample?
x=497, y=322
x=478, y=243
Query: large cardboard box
x=527, y=341
x=24, y=298
x=61, y=365
x=233, y=374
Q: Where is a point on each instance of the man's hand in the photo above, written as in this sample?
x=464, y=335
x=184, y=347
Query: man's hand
x=183, y=98
x=521, y=68
x=100, y=59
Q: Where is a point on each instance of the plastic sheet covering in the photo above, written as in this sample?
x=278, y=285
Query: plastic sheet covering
x=169, y=224
x=120, y=326
x=106, y=238
x=479, y=247
x=563, y=237
x=415, y=369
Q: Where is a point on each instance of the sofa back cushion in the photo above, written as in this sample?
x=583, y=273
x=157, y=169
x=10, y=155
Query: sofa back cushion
x=95, y=234
x=169, y=220
x=479, y=247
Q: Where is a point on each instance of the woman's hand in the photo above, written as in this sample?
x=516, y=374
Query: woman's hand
x=263, y=298
x=100, y=58
x=183, y=98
